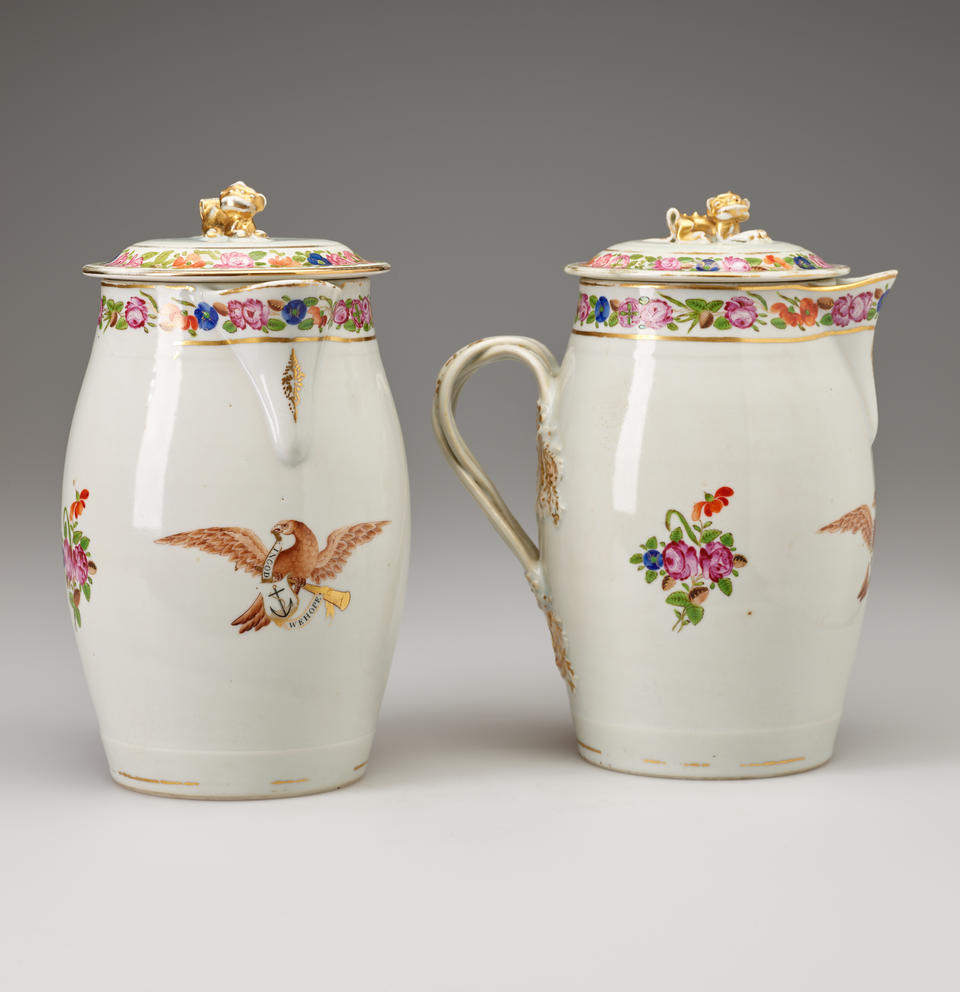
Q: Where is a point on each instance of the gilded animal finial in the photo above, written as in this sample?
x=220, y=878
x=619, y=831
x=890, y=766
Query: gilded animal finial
x=231, y=214
x=722, y=221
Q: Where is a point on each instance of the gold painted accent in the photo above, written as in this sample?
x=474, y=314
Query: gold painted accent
x=823, y=284
x=587, y=747
x=181, y=287
x=548, y=474
x=288, y=781
x=761, y=764
x=696, y=764
x=362, y=764
x=287, y=340
x=717, y=338
x=230, y=215
x=654, y=761
x=722, y=220
x=559, y=640
x=292, y=382
x=154, y=781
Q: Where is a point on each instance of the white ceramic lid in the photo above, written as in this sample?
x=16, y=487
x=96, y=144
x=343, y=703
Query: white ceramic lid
x=232, y=246
x=712, y=248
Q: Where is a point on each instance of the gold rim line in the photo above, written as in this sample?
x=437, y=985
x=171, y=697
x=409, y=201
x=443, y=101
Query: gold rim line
x=329, y=337
x=363, y=764
x=288, y=781
x=154, y=781
x=754, y=287
x=762, y=764
x=213, y=274
x=720, y=340
x=587, y=747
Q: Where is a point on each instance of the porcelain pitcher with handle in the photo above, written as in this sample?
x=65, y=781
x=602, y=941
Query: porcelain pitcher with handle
x=705, y=498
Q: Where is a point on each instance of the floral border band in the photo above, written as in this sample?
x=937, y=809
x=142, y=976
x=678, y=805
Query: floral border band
x=718, y=312
x=189, y=314
x=234, y=258
x=770, y=262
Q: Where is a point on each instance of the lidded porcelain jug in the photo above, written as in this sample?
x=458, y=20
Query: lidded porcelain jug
x=705, y=497
x=236, y=520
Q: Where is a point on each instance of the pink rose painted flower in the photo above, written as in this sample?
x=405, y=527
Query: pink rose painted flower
x=341, y=313
x=235, y=314
x=817, y=260
x=75, y=564
x=103, y=309
x=741, y=311
x=733, y=263
x=234, y=260
x=860, y=306
x=583, y=308
x=680, y=560
x=716, y=561
x=135, y=311
x=255, y=313
x=629, y=312
x=602, y=261
x=669, y=263
x=620, y=262
x=365, y=315
x=656, y=314
x=841, y=311
x=128, y=259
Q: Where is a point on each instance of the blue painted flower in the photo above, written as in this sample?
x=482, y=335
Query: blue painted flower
x=708, y=265
x=653, y=560
x=315, y=258
x=206, y=316
x=602, y=309
x=294, y=311
x=802, y=262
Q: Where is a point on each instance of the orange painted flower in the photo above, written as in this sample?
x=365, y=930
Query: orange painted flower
x=319, y=317
x=781, y=263
x=189, y=261
x=282, y=261
x=78, y=505
x=172, y=318
x=808, y=312
x=712, y=502
x=787, y=315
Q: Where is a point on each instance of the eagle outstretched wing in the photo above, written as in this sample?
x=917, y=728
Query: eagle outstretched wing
x=253, y=618
x=858, y=521
x=240, y=545
x=340, y=545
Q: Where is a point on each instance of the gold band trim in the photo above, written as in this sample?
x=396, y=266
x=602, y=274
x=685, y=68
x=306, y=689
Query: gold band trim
x=288, y=781
x=285, y=340
x=363, y=764
x=587, y=747
x=154, y=781
x=825, y=284
x=763, y=764
x=727, y=340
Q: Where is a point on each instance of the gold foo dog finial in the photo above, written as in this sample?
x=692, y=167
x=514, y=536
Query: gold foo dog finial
x=722, y=222
x=231, y=214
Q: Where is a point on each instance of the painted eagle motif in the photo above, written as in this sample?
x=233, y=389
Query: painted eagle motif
x=299, y=563
x=859, y=521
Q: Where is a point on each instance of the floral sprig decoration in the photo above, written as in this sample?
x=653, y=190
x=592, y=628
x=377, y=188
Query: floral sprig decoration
x=78, y=568
x=138, y=313
x=706, y=560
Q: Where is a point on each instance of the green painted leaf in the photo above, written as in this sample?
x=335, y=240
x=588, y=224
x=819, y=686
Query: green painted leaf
x=310, y=301
x=827, y=319
x=77, y=536
x=257, y=255
x=710, y=535
x=285, y=298
x=697, y=304
x=612, y=321
x=305, y=325
x=676, y=534
x=593, y=301
x=714, y=305
x=871, y=313
x=727, y=539
x=722, y=324
x=671, y=326
x=229, y=327
x=779, y=324
x=678, y=599
x=735, y=573
x=85, y=543
x=274, y=324
x=86, y=591
x=651, y=543
x=122, y=324
x=725, y=586
x=651, y=576
x=694, y=613
x=65, y=530
x=637, y=558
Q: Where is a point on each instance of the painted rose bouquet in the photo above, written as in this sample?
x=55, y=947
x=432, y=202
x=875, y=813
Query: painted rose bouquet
x=697, y=557
x=78, y=567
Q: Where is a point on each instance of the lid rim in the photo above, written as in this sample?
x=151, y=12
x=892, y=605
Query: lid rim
x=318, y=273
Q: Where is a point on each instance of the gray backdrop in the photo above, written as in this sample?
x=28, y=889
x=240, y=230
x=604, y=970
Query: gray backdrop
x=479, y=148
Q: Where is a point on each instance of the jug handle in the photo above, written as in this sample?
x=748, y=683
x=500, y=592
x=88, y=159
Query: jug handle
x=458, y=368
